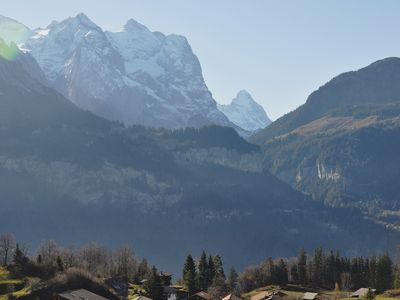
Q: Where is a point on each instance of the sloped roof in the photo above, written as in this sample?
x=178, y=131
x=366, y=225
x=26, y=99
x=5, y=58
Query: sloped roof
x=142, y=298
x=81, y=295
x=361, y=293
x=231, y=297
x=261, y=295
x=310, y=296
x=203, y=295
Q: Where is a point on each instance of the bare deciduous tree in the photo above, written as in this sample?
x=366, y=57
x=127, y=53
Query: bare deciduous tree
x=95, y=259
x=124, y=262
x=69, y=257
x=49, y=251
x=7, y=244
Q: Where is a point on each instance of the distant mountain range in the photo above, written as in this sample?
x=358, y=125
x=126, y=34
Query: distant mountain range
x=134, y=76
x=245, y=112
x=342, y=146
x=69, y=175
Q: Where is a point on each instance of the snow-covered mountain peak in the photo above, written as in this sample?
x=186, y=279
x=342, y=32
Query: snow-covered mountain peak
x=52, y=24
x=133, y=26
x=244, y=98
x=245, y=112
x=83, y=19
x=135, y=76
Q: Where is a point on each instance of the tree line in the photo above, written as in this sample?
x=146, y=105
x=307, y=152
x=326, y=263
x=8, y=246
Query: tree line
x=98, y=261
x=321, y=269
x=327, y=270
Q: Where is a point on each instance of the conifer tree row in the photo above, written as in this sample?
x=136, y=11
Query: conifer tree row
x=325, y=270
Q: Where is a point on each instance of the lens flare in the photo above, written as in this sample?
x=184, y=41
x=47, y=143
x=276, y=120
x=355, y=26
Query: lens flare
x=8, y=52
x=12, y=34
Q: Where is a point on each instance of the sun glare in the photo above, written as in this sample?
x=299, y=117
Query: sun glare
x=11, y=35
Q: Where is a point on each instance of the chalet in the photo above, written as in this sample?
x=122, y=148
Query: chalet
x=175, y=292
x=264, y=295
x=231, y=297
x=362, y=293
x=166, y=278
x=78, y=295
x=268, y=295
x=310, y=296
x=200, y=296
x=119, y=284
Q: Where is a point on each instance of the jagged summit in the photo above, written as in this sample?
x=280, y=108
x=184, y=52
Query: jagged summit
x=135, y=76
x=245, y=112
x=133, y=25
x=243, y=96
x=80, y=19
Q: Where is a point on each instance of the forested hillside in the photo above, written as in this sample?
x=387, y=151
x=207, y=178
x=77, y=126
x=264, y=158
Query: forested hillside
x=70, y=175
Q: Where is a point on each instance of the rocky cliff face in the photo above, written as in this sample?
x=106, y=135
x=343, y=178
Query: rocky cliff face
x=135, y=76
x=342, y=145
x=190, y=189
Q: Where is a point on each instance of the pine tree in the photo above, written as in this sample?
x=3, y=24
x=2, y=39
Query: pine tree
x=302, y=267
x=20, y=261
x=330, y=271
x=232, y=280
x=384, y=274
x=218, y=267
x=189, y=275
x=211, y=270
x=396, y=275
x=338, y=269
x=18, y=256
x=372, y=268
x=154, y=286
x=203, y=279
x=317, y=268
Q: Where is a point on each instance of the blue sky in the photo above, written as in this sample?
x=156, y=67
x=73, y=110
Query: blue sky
x=280, y=51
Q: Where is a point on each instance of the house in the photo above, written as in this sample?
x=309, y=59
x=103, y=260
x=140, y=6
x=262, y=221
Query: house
x=309, y=296
x=231, y=297
x=269, y=295
x=264, y=295
x=175, y=292
x=78, y=295
x=278, y=295
x=119, y=284
x=361, y=293
x=166, y=278
x=201, y=296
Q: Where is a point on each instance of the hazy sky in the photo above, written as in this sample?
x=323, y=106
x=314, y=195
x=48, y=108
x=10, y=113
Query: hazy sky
x=280, y=51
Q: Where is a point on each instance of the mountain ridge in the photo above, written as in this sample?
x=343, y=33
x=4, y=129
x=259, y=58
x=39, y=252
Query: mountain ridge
x=346, y=84
x=135, y=76
x=341, y=147
x=71, y=175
